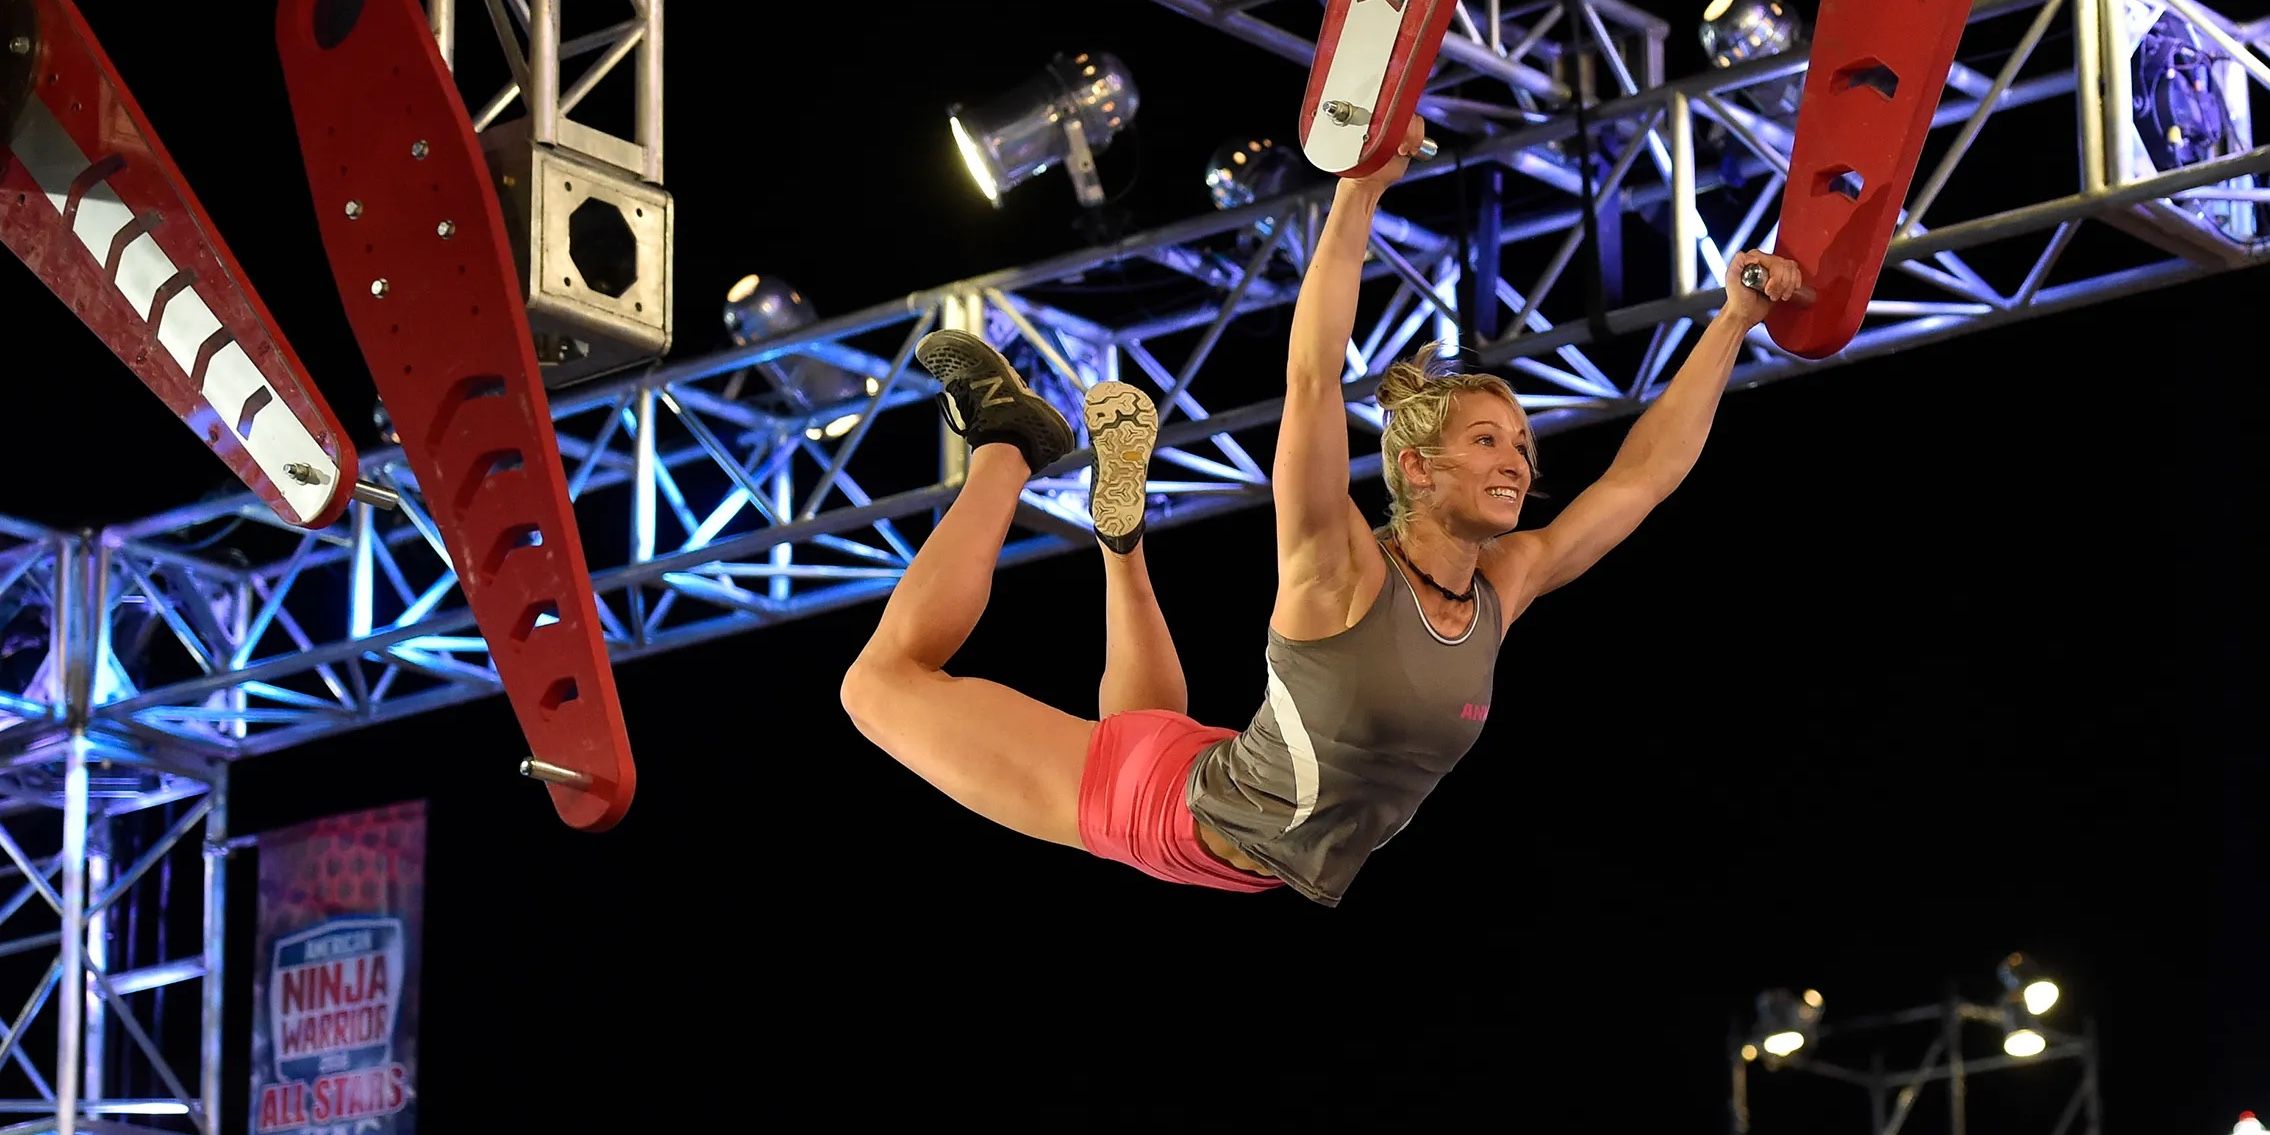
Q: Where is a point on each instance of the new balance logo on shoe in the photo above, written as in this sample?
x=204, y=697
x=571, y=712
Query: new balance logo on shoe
x=989, y=391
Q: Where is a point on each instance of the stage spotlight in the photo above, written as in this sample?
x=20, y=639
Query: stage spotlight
x=2247, y=1124
x=2040, y=995
x=1738, y=31
x=2189, y=104
x=2027, y=995
x=1246, y=170
x=1068, y=113
x=760, y=307
x=2025, y=980
x=1786, y=1021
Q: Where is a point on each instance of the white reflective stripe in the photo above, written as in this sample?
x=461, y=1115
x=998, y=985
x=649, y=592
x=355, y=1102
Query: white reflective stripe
x=230, y=378
x=277, y=438
x=1360, y=59
x=142, y=269
x=1297, y=743
x=48, y=154
x=231, y=384
x=188, y=323
x=101, y=215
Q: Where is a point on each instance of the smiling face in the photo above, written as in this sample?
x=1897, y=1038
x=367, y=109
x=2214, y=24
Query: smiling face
x=1482, y=470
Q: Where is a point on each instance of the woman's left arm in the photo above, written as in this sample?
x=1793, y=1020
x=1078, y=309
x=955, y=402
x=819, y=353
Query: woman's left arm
x=1656, y=456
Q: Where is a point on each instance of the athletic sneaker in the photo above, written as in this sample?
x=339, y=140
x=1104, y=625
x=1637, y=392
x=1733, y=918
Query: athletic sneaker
x=986, y=401
x=1122, y=427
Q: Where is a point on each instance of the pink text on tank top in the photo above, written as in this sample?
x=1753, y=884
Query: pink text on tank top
x=1473, y=712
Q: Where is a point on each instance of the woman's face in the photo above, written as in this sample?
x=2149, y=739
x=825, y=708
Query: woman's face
x=1476, y=487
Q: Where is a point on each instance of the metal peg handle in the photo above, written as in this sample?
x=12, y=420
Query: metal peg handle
x=377, y=496
x=553, y=774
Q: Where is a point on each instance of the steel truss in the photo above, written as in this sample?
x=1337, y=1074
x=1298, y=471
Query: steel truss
x=109, y=820
x=716, y=498
x=1953, y=1026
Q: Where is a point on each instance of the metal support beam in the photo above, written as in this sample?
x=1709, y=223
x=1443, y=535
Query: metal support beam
x=539, y=64
x=88, y=824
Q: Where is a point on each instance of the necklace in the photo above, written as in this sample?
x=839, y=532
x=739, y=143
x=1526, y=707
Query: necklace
x=1447, y=593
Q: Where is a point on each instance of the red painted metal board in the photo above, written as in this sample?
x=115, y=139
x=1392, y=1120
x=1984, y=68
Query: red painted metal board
x=430, y=287
x=1878, y=69
x=92, y=203
x=1373, y=56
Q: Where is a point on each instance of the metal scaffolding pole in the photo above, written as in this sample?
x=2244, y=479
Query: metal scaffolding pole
x=87, y=825
x=537, y=67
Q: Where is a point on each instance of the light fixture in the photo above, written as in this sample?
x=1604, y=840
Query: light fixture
x=1738, y=31
x=2027, y=994
x=1068, y=113
x=758, y=308
x=2021, y=977
x=2247, y=1124
x=2187, y=104
x=1245, y=170
x=1786, y=1022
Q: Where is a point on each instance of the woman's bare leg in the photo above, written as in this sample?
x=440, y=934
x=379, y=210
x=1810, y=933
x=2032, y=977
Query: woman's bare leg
x=1140, y=670
x=1005, y=756
x=1140, y=667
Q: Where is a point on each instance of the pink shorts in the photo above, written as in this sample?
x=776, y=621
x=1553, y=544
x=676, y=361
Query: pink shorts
x=1132, y=807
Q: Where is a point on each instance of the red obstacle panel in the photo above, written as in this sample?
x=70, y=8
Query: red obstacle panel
x=1372, y=62
x=93, y=205
x=1878, y=69
x=417, y=241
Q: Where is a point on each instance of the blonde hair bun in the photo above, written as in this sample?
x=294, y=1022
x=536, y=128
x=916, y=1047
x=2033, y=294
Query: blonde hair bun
x=1407, y=380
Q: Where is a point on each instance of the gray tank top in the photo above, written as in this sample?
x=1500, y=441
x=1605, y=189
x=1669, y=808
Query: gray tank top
x=1357, y=729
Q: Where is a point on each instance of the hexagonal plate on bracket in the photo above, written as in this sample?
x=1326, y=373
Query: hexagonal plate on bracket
x=595, y=248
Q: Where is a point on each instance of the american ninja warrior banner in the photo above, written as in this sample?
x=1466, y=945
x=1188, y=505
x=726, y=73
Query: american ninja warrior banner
x=335, y=1005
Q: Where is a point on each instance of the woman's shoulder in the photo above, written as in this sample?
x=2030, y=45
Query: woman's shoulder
x=1506, y=563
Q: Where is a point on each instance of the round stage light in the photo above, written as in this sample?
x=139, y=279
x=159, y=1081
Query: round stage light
x=1067, y=114
x=758, y=308
x=1245, y=170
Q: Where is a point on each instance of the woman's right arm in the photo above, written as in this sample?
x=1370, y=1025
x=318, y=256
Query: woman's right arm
x=1316, y=519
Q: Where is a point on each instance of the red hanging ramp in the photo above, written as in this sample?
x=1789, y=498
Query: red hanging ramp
x=417, y=242
x=1878, y=70
x=93, y=204
x=1372, y=61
